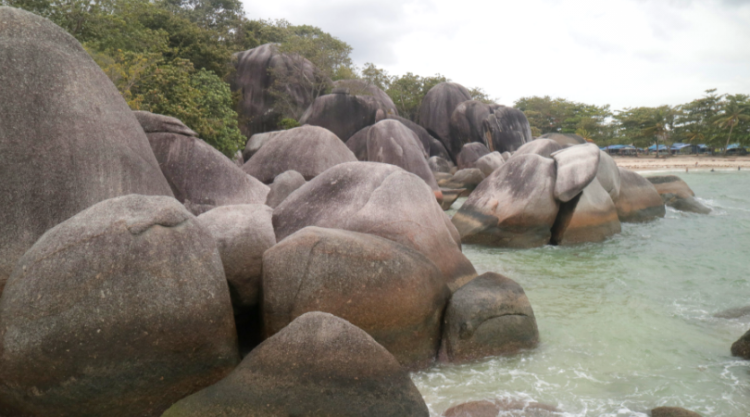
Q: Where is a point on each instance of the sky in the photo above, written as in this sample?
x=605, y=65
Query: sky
x=625, y=53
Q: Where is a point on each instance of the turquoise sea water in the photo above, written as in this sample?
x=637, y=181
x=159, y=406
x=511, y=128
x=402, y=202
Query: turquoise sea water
x=626, y=325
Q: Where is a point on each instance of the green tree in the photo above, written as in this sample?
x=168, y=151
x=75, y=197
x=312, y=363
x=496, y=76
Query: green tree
x=736, y=110
x=696, y=122
x=547, y=115
x=478, y=94
x=408, y=90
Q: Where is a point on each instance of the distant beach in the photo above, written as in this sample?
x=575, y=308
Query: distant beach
x=681, y=162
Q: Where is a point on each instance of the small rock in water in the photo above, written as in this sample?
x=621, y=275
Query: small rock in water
x=741, y=347
x=733, y=313
x=503, y=407
x=673, y=412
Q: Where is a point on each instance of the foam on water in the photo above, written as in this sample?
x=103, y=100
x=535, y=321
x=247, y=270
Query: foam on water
x=626, y=325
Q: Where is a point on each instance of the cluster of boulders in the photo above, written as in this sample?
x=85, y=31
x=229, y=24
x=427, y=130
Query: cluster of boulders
x=139, y=266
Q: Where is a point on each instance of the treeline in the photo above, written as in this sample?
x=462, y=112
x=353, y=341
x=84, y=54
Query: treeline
x=174, y=57
x=715, y=120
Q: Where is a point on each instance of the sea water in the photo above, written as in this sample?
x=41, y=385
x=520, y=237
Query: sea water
x=628, y=324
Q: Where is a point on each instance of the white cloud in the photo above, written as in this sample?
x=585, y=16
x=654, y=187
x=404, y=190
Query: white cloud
x=620, y=52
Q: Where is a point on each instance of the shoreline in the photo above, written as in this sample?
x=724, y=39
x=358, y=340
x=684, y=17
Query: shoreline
x=682, y=162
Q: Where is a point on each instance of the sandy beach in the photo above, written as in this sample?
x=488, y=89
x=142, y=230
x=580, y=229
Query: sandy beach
x=682, y=162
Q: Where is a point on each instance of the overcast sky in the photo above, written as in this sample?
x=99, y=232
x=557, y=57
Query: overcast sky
x=625, y=53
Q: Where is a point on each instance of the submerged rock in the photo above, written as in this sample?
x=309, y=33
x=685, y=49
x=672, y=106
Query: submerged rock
x=489, y=316
x=504, y=407
x=677, y=194
x=201, y=177
x=309, y=150
x=733, y=313
x=741, y=347
x=392, y=292
x=283, y=185
x=319, y=365
x=673, y=412
x=121, y=310
x=638, y=200
x=513, y=207
x=243, y=233
x=379, y=199
x=68, y=140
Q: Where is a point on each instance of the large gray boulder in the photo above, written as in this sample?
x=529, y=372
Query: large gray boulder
x=489, y=163
x=200, y=176
x=514, y=207
x=591, y=216
x=489, y=316
x=357, y=143
x=436, y=110
x=256, y=142
x=470, y=154
x=342, y=113
x=243, y=233
x=433, y=146
x=438, y=164
x=638, y=200
x=358, y=87
x=467, y=123
x=319, y=365
x=468, y=178
x=121, y=310
x=379, y=199
x=506, y=129
x=576, y=165
x=257, y=70
x=390, y=142
x=67, y=138
x=391, y=291
x=564, y=139
x=608, y=174
x=541, y=147
x=308, y=150
x=283, y=185
x=677, y=194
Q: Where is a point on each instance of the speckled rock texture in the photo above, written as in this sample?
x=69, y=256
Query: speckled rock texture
x=201, y=177
x=392, y=292
x=283, y=185
x=382, y=200
x=121, y=310
x=308, y=150
x=741, y=347
x=67, y=138
x=541, y=147
x=489, y=163
x=608, y=174
x=564, y=139
x=364, y=88
x=576, y=168
x=513, y=207
x=638, y=200
x=319, y=365
x=439, y=164
x=467, y=123
x=489, y=316
x=357, y=143
x=243, y=233
x=433, y=146
x=673, y=412
x=256, y=142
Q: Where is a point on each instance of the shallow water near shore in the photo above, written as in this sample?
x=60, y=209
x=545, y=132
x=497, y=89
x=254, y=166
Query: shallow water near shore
x=626, y=325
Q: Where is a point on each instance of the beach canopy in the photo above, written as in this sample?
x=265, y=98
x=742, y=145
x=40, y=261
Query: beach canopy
x=678, y=146
x=734, y=146
x=653, y=147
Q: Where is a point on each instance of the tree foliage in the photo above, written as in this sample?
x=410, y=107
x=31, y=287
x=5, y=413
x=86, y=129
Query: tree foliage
x=547, y=115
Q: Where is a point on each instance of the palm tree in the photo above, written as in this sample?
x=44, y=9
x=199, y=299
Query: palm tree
x=660, y=125
x=736, y=110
